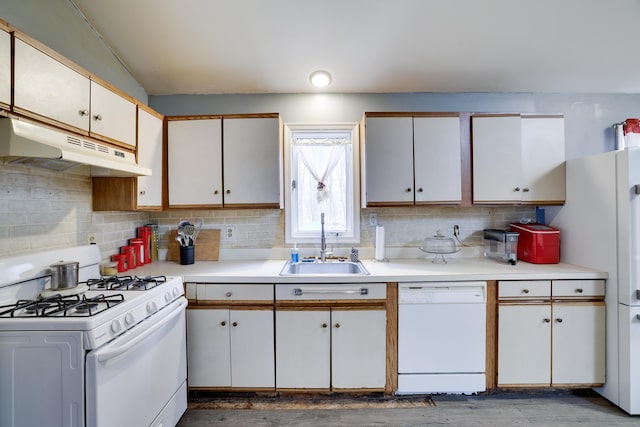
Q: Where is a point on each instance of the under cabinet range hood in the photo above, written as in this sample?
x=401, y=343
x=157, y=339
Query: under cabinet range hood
x=31, y=144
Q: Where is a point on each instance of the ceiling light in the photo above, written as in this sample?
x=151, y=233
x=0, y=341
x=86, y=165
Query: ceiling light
x=320, y=78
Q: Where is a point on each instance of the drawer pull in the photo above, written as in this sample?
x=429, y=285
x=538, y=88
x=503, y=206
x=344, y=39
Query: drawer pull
x=579, y=291
x=300, y=291
x=223, y=323
x=228, y=294
x=337, y=325
x=546, y=320
x=324, y=325
x=234, y=324
x=525, y=291
x=559, y=320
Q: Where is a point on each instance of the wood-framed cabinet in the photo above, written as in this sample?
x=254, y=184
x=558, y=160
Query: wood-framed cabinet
x=551, y=333
x=518, y=159
x=209, y=159
x=5, y=66
x=412, y=159
x=230, y=337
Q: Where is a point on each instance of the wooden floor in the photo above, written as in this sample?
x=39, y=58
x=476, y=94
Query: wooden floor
x=549, y=408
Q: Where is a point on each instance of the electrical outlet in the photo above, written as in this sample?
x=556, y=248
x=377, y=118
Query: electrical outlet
x=373, y=219
x=230, y=232
x=91, y=238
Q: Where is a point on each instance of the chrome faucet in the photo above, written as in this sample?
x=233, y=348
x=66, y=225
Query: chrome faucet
x=323, y=240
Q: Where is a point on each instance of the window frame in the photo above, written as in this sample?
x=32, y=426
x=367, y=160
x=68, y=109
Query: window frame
x=314, y=237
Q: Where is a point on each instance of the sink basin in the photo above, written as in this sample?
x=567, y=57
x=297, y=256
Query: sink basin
x=323, y=268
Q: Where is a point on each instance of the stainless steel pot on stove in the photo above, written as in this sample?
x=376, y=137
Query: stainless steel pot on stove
x=64, y=275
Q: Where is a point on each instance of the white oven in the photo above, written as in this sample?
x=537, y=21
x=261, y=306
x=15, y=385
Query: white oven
x=113, y=355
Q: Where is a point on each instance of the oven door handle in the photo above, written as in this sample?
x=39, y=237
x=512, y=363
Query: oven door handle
x=112, y=354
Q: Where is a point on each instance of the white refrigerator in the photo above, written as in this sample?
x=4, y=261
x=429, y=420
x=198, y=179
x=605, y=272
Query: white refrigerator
x=600, y=228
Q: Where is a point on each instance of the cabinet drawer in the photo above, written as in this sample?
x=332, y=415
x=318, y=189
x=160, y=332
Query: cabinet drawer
x=331, y=291
x=234, y=292
x=524, y=289
x=578, y=288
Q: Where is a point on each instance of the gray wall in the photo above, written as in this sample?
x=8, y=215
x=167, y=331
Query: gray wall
x=588, y=117
x=58, y=25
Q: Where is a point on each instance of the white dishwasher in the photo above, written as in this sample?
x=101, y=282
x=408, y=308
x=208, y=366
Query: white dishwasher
x=441, y=337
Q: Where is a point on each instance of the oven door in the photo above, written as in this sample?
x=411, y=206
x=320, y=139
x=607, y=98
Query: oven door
x=139, y=379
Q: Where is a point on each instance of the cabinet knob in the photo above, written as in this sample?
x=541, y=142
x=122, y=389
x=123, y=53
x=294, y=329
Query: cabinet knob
x=83, y=112
x=228, y=294
x=559, y=320
x=142, y=192
x=234, y=324
x=97, y=117
x=223, y=323
x=579, y=291
x=408, y=190
x=215, y=192
x=324, y=325
x=516, y=189
x=546, y=320
x=525, y=190
x=525, y=291
x=337, y=325
x=228, y=191
x=420, y=190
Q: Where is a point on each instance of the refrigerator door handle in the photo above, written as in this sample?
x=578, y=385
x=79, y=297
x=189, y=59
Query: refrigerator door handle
x=637, y=188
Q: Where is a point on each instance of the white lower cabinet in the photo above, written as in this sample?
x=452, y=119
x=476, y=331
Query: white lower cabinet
x=330, y=348
x=230, y=348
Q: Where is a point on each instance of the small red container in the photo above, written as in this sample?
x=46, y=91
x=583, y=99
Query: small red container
x=538, y=243
x=138, y=244
x=145, y=234
x=121, y=259
x=130, y=252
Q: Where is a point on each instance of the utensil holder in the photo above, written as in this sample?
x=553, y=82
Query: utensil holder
x=187, y=255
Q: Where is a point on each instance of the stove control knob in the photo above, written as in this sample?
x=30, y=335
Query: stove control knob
x=152, y=307
x=167, y=296
x=176, y=292
x=129, y=320
x=116, y=326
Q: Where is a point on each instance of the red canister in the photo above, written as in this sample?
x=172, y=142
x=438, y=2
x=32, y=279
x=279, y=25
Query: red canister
x=130, y=252
x=121, y=259
x=138, y=244
x=632, y=132
x=145, y=234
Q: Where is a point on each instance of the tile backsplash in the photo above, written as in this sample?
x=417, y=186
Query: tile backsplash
x=44, y=210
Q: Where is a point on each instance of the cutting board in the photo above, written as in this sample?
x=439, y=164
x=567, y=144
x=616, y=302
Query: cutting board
x=207, y=246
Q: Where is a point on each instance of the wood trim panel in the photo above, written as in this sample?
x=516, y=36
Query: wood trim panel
x=371, y=304
x=392, y=339
x=245, y=305
x=541, y=116
x=495, y=115
x=465, y=159
x=149, y=110
x=113, y=193
x=4, y=25
x=411, y=114
x=543, y=385
x=251, y=206
x=492, y=335
x=195, y=117
x=195, y=207
x=251, y=116
x=388, y=204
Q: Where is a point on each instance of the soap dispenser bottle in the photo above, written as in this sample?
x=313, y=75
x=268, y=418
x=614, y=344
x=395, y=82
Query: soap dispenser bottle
x=294, y=253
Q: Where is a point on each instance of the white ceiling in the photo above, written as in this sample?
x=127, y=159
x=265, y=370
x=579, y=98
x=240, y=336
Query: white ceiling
x=271, y=46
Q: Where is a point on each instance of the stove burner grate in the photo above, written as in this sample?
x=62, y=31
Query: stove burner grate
x=126, y=283
x=61, y=306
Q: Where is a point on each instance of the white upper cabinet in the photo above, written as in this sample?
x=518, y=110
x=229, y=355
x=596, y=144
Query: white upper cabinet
x=112, y=116
x=5, y=68
x=195, y=156
x=251, y=160
x=49, y=89
x=149, y=188
x=412, y=160
x=518, y=159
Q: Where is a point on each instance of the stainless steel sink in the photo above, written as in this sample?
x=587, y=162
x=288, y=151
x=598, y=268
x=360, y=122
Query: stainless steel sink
x=336, y=268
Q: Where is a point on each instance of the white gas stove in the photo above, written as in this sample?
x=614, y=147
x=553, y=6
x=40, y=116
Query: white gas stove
x=80, y=351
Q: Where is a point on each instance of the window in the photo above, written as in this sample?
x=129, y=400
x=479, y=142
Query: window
x=321, y=170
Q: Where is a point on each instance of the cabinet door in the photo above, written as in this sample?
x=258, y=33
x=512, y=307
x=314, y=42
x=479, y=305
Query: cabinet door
x=149, y=192
x=496, y=159
x=208, y=348
x=252, y=352
x=303, y=349
x=5, y=68
x=578, y=343
x=389, y=160
x=112, y=116
x=195, y=158
x=251, y=150
x=524, y=345
x=437, y=161
x=543, y=159
x=48, y=88
x=358, y=351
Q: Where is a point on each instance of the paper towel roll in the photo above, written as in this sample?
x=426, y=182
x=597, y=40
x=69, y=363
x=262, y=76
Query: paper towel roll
x=380, y=256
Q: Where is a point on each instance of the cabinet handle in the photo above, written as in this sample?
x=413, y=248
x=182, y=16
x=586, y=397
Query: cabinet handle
x=559, y=320
x=408, y=190
x=516, y=189
x=228, y=191
x=579, y=291
x=324, y=325
x=234, y=324
x=223, y=323
x=547, y=320
x=142, y=192
x=525, y=291
x=228, y=294
x=215, y=192
x=83, y=112
x=420, y=190
x=525, y=190
x=97, y=117
x=337, y=325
